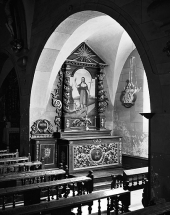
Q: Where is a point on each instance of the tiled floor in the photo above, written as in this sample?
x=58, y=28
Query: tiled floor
x=136, y=197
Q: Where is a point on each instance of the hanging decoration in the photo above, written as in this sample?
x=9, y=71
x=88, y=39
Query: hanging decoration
x=129, y=94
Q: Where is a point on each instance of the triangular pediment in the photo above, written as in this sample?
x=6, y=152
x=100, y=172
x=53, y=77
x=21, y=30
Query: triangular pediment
x=84, y=54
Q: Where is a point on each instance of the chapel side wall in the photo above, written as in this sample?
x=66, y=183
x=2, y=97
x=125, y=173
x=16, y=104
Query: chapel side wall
x=128, y=122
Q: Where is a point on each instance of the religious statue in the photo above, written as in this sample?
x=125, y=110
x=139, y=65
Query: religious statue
x=83, y=92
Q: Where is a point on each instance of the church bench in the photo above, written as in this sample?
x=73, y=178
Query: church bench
x=134, y=179
x=19, y=167
x=117, y=200
x=13, y=160
x=33, y=193
x=19, y=164
x=3, y=151
x=5, y=154
x=15, y=179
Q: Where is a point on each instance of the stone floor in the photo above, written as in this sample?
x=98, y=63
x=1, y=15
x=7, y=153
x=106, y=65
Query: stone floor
x=136, y=197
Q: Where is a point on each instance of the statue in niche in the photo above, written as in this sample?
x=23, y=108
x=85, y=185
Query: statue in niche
x=83, y=92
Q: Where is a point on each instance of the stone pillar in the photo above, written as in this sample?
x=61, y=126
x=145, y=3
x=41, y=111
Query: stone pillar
x=160, y=156
x=24, y=125
x=25, y=86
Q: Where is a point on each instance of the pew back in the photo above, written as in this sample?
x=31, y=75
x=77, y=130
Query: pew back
x=134, y=179
x=32, y=193
x=116, y=199
x=23, y=178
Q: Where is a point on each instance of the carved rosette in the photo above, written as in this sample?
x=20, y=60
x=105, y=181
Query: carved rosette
x=66, y=93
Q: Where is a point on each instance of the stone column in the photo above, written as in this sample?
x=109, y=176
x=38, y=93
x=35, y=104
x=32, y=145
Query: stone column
x=24, y=125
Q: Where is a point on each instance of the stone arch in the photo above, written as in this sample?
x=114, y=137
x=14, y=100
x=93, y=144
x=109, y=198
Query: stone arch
x=133, y=30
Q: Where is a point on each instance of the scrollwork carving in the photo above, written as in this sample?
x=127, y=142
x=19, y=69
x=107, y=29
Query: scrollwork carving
x=81, y=122
x=56, y=102
x=97, y=154
x=57, y=122
x=41, y=126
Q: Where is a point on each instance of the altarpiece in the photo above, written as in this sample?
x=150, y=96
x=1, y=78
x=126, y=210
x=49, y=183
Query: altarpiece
x=80, y=139
x=83, y=142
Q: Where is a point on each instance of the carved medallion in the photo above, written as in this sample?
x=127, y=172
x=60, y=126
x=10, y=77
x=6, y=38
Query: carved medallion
x=96, y=154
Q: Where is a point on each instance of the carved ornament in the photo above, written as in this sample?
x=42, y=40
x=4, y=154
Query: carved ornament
x=41, y=128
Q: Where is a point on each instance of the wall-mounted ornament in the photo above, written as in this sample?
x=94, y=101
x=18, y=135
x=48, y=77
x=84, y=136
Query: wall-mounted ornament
x=41, y=128
x=129, y=94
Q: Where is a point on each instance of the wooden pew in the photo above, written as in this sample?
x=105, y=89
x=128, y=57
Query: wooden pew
x=14, y=160
x=5, y=154
x=13, y=163
x=60, y=188
x=3, y=151
x=16, y=179
x=117, y=199
x=134, y=179
x=20, y=167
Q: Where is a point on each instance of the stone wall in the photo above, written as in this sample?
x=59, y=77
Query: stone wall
x=127, y=122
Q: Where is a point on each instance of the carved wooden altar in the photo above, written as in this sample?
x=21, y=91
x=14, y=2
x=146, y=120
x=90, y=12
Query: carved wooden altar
x=83, y=142
x=81, y=154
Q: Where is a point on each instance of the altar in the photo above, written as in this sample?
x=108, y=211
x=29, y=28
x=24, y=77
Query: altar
x=81, y=153
x=82, y=140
